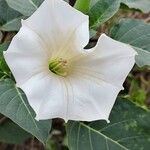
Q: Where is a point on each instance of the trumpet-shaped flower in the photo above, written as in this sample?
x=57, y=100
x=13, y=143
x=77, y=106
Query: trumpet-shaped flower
x=59, y=77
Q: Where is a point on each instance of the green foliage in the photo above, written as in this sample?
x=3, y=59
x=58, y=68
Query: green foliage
x=4, y=69
x=102, y=10
x=137, y=34
x=51, y=145
x=14, y=105
x=143, y=5
x=99, y=10
x=9, y=18
x=12, y=133
x=137, y=94
x=82, y=5
x=52, y=142
x=128, y=129
x=25, y=7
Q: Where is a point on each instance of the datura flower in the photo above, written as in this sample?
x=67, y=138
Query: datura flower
x=60, y=78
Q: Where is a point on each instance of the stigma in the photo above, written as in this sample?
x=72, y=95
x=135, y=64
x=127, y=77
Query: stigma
x=59, y=67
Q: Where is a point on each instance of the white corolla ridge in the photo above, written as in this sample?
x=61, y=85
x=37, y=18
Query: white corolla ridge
x=59, y=77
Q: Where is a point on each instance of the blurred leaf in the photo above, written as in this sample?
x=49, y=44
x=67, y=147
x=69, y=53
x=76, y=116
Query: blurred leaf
x=66, y=1
x=82, y=5
x=137, y=94
x=4, y=69
x=12, y=25
x=14, y=105
x=143, y=57
x=51, y=145
x=137, y=34
x=1, y=36
x=10, y=20
x=143, y=5
x=12, y=133
x=3, y=47
x=54, y=142
x=25, y=7
x=101, y=11
x=128, y=129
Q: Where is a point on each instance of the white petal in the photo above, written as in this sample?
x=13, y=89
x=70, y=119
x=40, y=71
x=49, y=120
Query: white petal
x=26, y=55
x=110, y=60
x=45, y=93
x=90, y=98
x=63, y=29
x=97, y=79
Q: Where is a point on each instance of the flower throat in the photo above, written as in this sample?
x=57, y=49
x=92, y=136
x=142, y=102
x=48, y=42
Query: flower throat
x=59, y=67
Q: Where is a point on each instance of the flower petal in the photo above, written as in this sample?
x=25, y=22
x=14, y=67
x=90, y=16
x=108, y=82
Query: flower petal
x=45, y=93
x=26, y=55
x=63, y=29
x=110, y=61
x=97, y=79
x=90, y=98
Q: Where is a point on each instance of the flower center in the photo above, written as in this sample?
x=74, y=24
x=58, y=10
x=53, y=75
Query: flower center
x=59, y=66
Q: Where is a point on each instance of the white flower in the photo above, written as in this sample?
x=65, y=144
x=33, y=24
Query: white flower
x=61, y=78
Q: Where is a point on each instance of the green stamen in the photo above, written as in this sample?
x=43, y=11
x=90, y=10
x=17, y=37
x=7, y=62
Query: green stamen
x=59, y=67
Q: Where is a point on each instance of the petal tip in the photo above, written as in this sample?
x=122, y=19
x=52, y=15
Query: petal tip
x=107, y=120
x=66, y=120
x=18, y=85
x=133, y=50
x=103, y=35
x=4, y=52
x=22, y=21
x=136, y=54
x=37, y=118
x=122, y=88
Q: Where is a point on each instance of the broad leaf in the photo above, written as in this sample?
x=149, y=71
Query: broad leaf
x=12, y=133
x=25, y=7
x=82, y=5
x=4, y=69
x=143, y=5
x=102, y=10
x=14, y=105
x=128, y=129
x=10, y=20
x=3, y=47
x=137, y=34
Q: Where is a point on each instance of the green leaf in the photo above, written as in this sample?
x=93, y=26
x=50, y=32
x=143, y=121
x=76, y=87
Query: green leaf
x=143, y=5
x=137, y=34
x=143, y=57
x=12, y=133
x=128, y=129
x=82, y=5
x=25, y=7
x=4, y=69
x=3, y=47
x=137, y=94
x=14, y=105
x=101, y=11
x=10, y=20
x=12, y=25
x=66, y=1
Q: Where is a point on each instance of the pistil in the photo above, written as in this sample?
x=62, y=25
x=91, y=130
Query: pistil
x=59, y=66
